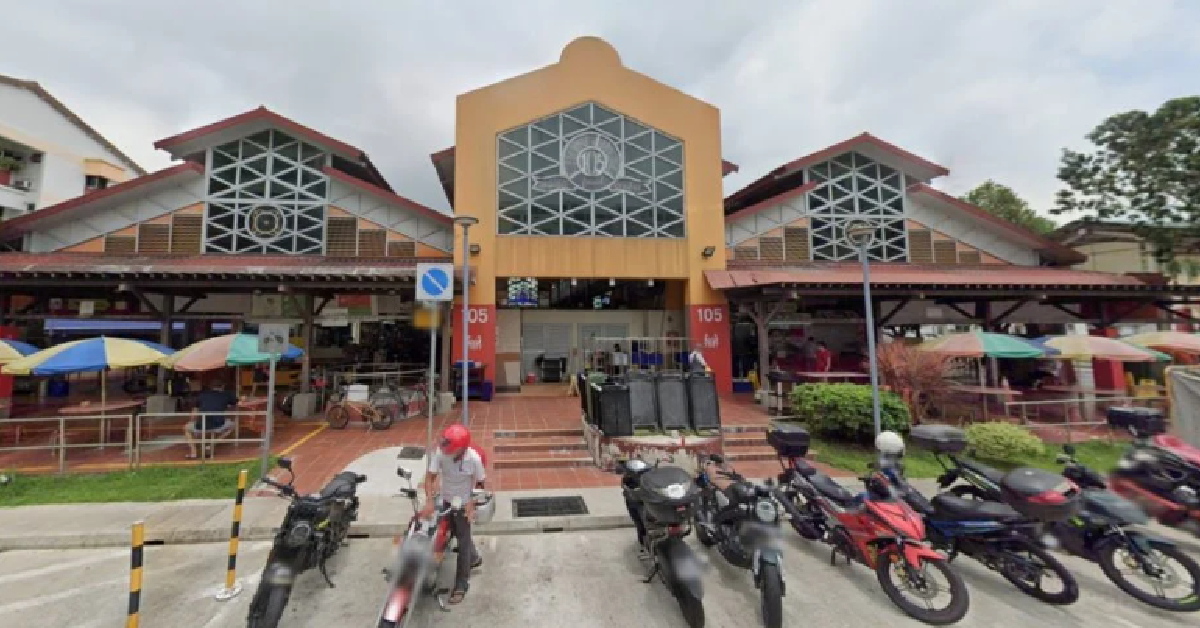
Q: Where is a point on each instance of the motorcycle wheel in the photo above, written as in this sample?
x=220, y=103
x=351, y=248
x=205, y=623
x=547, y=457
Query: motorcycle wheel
x=968, y=491
x=702, y=533
x=692, y=607
x=1106, y=555
x=959, y=598
x=1047, y=563
x=272, y=612
x=772, y=596
x=337, y=417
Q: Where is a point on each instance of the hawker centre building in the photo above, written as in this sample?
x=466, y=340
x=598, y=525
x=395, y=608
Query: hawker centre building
x=601, y=214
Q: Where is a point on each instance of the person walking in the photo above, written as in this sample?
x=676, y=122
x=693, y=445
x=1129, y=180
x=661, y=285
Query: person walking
x=454, y=471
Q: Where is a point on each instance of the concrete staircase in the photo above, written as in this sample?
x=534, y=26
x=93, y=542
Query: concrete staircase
x=747, y=442
x=540, y=449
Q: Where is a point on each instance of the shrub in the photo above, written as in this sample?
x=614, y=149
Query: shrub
x=922, y=373
x=844, y=411
x=1004, y=442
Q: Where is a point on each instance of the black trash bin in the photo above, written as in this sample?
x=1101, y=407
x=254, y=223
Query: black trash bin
x=642, y=403
x=613, y=409
x=671, y=396
x=703, y=404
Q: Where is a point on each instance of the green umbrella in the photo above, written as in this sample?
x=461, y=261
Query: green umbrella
x=980, y=344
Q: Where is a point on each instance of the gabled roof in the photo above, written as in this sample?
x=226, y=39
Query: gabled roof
x=1049, y=248
x=68, y=209
x=790, y=175
x=357, y=163
x=62, y=109
x=443, y=164
x=389, y=196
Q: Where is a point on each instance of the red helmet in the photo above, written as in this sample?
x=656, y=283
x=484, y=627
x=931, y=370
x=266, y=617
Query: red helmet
x=455, y=439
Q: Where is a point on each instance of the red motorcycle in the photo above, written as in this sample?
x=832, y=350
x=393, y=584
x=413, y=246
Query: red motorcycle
x=876, y=528
x=421, y=551
x=1159, y=472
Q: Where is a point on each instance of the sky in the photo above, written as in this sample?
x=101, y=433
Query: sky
x=991, y=90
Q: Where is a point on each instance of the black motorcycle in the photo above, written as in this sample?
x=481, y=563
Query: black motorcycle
x=1102, y=533
x=313, y=529
x=662, y=502
x=742, y=520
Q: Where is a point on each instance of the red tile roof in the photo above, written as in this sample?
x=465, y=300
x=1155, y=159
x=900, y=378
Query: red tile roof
x=103, y=264
x=744, y=275
x=28, y=222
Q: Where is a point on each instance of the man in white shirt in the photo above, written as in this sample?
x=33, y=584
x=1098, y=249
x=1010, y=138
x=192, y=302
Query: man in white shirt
x=454, y=471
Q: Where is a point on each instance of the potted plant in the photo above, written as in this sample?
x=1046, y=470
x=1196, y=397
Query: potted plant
x=8, y=165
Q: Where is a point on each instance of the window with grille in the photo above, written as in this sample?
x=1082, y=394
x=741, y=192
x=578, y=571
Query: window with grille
x=945, y=252
x=795, y=244
x=402, y=249
x=969, y=257
x=187, y=231
x=745, y=252
x=854, y=188
x=590, y=171
x=920, y=246
x=372, y=242
x=770, y=248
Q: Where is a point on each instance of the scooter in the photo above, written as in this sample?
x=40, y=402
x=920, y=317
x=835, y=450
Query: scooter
x=1159, y=472
x=875, y=528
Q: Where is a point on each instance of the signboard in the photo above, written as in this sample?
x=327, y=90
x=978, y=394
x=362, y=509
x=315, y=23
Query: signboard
x=87, y=308
x=273, y=338
x=426, y=316
x=275, y=306
x=356, y=305
x=435, y=282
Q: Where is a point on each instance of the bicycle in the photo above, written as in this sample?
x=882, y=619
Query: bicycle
x=340, y=412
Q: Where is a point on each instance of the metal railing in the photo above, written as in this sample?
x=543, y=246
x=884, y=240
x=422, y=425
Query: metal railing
x=1067, y=424
x=205, y=438
x=58, y=439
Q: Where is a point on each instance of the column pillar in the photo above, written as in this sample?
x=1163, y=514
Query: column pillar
x=708, y=329
x=306, y=336
x=164, y=337
x=444, y=348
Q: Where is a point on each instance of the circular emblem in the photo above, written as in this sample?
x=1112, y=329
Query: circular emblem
x=266, y=222
x=591, y=161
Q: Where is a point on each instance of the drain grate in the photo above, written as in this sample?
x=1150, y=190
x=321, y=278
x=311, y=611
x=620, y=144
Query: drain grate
x=410, y=452
x=549, y=506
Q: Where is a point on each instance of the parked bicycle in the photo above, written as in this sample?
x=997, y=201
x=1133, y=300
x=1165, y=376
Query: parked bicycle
x=341, y=411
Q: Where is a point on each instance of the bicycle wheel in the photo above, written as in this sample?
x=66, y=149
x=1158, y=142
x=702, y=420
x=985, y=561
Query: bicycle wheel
x=337, y=416
x=381, y=417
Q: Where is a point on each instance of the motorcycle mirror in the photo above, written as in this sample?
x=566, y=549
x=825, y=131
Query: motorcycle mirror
x=285, y=463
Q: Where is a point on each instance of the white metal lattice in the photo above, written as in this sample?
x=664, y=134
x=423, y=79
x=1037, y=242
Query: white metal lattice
x=590, y=171
x=852, y=187
x=266, y=194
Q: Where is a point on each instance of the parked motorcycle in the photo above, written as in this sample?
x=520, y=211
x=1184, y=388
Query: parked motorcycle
x=876, y=528
x=995, y=534
x=742, y=520
x=1102, y=533
x=313, y=529
x=662, y=501
x=421, y=551
x=1159, y=472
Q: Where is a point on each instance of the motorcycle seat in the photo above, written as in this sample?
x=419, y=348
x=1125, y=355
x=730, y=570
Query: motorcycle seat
x=805, y=469
x=993, y=474
x=826, y=486
x=951, y=507
x=343, y=485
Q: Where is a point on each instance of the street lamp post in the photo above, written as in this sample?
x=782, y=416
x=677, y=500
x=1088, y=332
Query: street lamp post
x=466, y=222
x=861, y=235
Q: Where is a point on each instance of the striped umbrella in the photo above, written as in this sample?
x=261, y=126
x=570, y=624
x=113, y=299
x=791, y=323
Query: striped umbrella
x=1170, y=340
x=981, y=344
x=221, y=351
x=92, y=354
x=14, y=349
x=1081, y=347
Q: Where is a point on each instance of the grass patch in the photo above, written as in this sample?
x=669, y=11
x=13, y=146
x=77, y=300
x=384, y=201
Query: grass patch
x=150, y=484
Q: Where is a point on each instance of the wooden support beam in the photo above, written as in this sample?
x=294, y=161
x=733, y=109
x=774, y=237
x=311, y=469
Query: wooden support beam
x=886, y=318
x=999, y=319
x=1166, y=307
x=141, y=296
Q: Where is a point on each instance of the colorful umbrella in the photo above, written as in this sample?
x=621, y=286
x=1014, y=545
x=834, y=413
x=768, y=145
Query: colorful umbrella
x=222, y=351
x=1172, y=340
x=92, y=354
x=1081, y=347
x=979, y=344
x=14, y=349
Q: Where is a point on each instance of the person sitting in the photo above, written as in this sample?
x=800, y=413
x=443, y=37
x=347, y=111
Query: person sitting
x=206, y=417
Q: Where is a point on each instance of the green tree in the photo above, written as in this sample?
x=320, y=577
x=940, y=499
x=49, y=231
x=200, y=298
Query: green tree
x=1145, y=170
x=1001, y=201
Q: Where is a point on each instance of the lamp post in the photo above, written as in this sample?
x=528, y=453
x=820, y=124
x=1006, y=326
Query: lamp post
x=466, y=222
x=861, y=235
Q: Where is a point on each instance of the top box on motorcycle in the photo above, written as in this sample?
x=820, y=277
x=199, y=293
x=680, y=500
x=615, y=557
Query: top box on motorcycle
x=940, y=439
x=789, y=441
x=668, y=494
x=1144, y=421
x=1041, y=495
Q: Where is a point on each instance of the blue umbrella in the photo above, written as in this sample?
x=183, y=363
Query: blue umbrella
x=92, y=354
x=13, y=349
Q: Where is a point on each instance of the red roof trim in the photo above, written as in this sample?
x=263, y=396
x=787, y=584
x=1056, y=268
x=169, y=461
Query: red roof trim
x=774, y=200
x=389, y=196
x=1064, y=253
x=25, y=224
x=844, y=274
x=256, y=115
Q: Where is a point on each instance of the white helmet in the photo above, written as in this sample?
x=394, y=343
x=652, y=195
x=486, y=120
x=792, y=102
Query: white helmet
x=889, y=443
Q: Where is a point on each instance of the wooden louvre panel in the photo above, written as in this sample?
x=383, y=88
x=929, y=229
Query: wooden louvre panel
x=341, y=238
x=117, y=245
x=402, y=249
x=154, y=238
x=795, y=244
x=920, y=246
x=969, y=257
x=945, y=252
x=186, y=234
x=745, y=252
x=770, y=249
x=372, y=242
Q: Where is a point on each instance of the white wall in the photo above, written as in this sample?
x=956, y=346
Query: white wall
x=61, y=179
x=29, y=119
x=137, y=209
x=968, y=230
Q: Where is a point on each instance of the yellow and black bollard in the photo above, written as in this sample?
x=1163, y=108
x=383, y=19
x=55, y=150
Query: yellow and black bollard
x=232, y=586
x=135, y=575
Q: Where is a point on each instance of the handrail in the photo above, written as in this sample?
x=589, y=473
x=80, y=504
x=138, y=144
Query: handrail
x=61, y=432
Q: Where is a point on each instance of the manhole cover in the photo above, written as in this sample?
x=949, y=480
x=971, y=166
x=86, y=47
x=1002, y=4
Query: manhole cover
x=549, y=506
x=411, y=453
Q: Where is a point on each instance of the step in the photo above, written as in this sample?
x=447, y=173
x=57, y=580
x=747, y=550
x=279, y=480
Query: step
x=529, y=445
x=745, y=438
x=543, y=461
x=742, y=429
x=540, y=433
x=750, y=453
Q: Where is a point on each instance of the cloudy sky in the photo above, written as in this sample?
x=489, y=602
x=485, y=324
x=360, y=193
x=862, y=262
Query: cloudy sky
x=988, y=89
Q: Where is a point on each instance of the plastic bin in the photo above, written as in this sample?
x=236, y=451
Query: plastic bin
x=672, y=399
x=358, y=393
x=643, y=406
x=703, y=405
